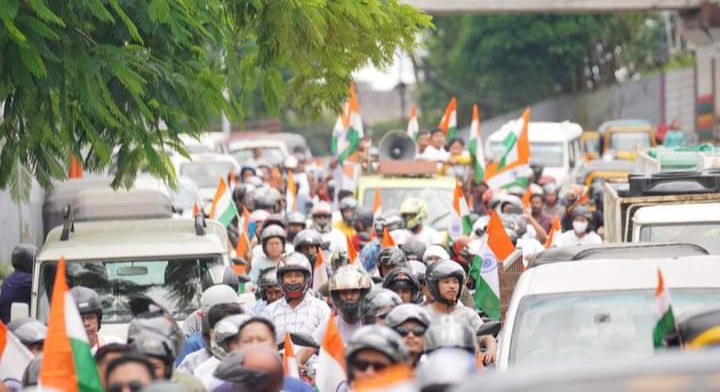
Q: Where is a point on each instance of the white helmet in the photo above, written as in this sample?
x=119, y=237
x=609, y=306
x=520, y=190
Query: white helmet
x=218, y=294
x=322, y=209
x=435, y=253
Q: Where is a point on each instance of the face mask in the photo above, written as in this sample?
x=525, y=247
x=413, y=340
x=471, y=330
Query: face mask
x=580, y=226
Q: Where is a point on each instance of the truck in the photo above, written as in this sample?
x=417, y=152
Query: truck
x=688, y=200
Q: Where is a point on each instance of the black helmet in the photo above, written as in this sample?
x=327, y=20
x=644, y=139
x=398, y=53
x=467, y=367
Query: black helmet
x=349, y=277
x=266, y=278
x=156, y=346
x=159, y=323
x=338, y=259
x=413, y=250
x=418, y=269
x=364, y=215
x=449, y=332
x=391, y=256
x=23, y=257
x=378, y=303
x=348, y=203
x=272, y=231
x=274, y=219
x=407, y=312
x=378, y=338
x=294, y=262
x=265, y=199
x=308, y=238
x=403, y=278
x=87, y=301
x=232, y=369
x=220, y=274
x=441, y=270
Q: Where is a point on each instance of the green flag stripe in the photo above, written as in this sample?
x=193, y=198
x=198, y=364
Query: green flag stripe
x=354, y=142
x=227, y=216
x=85, y=367
x=664, y=326
x=484, y=298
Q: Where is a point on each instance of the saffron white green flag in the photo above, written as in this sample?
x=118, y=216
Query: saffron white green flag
x=354, y=133
x=460, y=223
x=223, y=208
x=413, y=128
x=510, y=167
x=448, y=123
x=663, y=313
x=475, y=146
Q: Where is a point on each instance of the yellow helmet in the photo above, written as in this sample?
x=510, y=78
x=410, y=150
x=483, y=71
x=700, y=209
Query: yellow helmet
x=414, y=212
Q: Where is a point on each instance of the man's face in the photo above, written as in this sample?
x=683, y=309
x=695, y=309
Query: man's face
x=405, y=294
x=423, y=140
x=438, y=140
x=295, y=228
x=102, y=365
x=367, y=363
x=449, y=288
x=273, y=293
x=347, y=214
x=412, y=333
x=128, y=377
x=90, y=322
x=159, y=367
x=386, y=269
x=274, y=248
x=350, y=295
x=257, y=334
x=551, y=198
x=322, y=219
x=536, y=204
x=292, y=277
x=308, y=251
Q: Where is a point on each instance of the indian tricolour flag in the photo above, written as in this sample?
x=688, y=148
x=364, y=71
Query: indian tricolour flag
x=67, y=362
x=320, y=275
x=377, y=204
x=475, y=146
x=354, y=132
x=290, y=364
x=448, y=123
x=485, y=267
x=460, y=223
x=513, y=166
x=555, y=230
x=663, y=312
x=331, y=360
x=337, y=143
x=223, y=208
x=413, y=128
x=291, y=194
x=14, y=358
x=396, y=378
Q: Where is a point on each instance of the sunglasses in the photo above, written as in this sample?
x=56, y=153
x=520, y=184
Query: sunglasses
x=364, y=365
x=416, y=330
x=321, y=216
x=134, y=386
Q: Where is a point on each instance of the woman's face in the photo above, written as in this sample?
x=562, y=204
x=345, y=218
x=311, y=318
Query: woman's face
x=274, y=248
x=456, y=148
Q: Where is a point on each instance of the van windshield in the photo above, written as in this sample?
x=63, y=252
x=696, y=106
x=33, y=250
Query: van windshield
x=545, y=154
x=629, y=141
x=171, y=283
x=704, y=234
x=206, y=174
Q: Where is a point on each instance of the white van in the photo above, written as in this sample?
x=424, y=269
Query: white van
x=158, y=259
x=687, y=223
x=556, y=146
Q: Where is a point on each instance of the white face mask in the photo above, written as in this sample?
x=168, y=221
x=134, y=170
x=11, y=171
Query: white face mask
x=580, y=226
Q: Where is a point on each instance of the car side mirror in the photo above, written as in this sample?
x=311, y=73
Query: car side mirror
x=19, y=310
x=489, y=328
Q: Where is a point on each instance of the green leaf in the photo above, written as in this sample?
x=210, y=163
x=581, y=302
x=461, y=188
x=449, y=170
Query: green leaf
x=158, y=11
x=15, y=33
x=45, y=13
x=31, y=58
x=132, y=29
x=8, y=9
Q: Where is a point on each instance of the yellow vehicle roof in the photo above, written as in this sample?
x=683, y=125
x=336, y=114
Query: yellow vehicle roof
x=375, y=181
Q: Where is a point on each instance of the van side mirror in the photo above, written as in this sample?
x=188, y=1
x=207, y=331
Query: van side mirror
x=19, y=310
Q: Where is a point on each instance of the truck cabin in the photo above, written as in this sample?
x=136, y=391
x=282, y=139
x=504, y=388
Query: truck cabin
x=622, y=138
x=692, y=223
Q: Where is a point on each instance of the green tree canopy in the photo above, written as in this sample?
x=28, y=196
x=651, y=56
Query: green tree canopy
x=508, y=61
x=116, y=81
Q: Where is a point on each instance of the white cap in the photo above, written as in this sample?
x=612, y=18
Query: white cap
x=435, y=251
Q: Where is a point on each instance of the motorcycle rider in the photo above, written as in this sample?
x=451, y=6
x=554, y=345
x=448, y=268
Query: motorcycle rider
x=414, y=212
x=377, y=304
x=90, y=309
x=410, y=321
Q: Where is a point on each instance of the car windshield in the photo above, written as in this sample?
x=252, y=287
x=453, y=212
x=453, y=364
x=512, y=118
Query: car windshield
x=703, y=234
x=438, y=200
x=629, y=141
x=546, y=154
x=171, y=283
x=615, y=324
x=206, y=174
x=273, y=155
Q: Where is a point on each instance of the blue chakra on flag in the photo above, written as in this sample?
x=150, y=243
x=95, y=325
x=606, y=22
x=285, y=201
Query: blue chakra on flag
x=489, y=262
x=456, y=228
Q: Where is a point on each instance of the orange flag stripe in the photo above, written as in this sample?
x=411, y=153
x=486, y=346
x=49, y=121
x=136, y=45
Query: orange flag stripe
x=333, y=344
x=388, y=377
x=387, y=240
x=352, y=252
x=498, y=239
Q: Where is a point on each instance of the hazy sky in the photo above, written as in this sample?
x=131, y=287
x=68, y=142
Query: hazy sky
x=389, y=78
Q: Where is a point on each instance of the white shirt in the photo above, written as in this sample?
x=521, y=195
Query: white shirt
x=427, y=236
x=346, y=330
x=569, y=238
x=307, y=317
x=105, y=339
x=529, y=248
x=193, y=360
x=433, y=154
x=205, y=371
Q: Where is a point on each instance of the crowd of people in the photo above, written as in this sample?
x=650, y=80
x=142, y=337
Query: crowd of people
x=397, y=290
